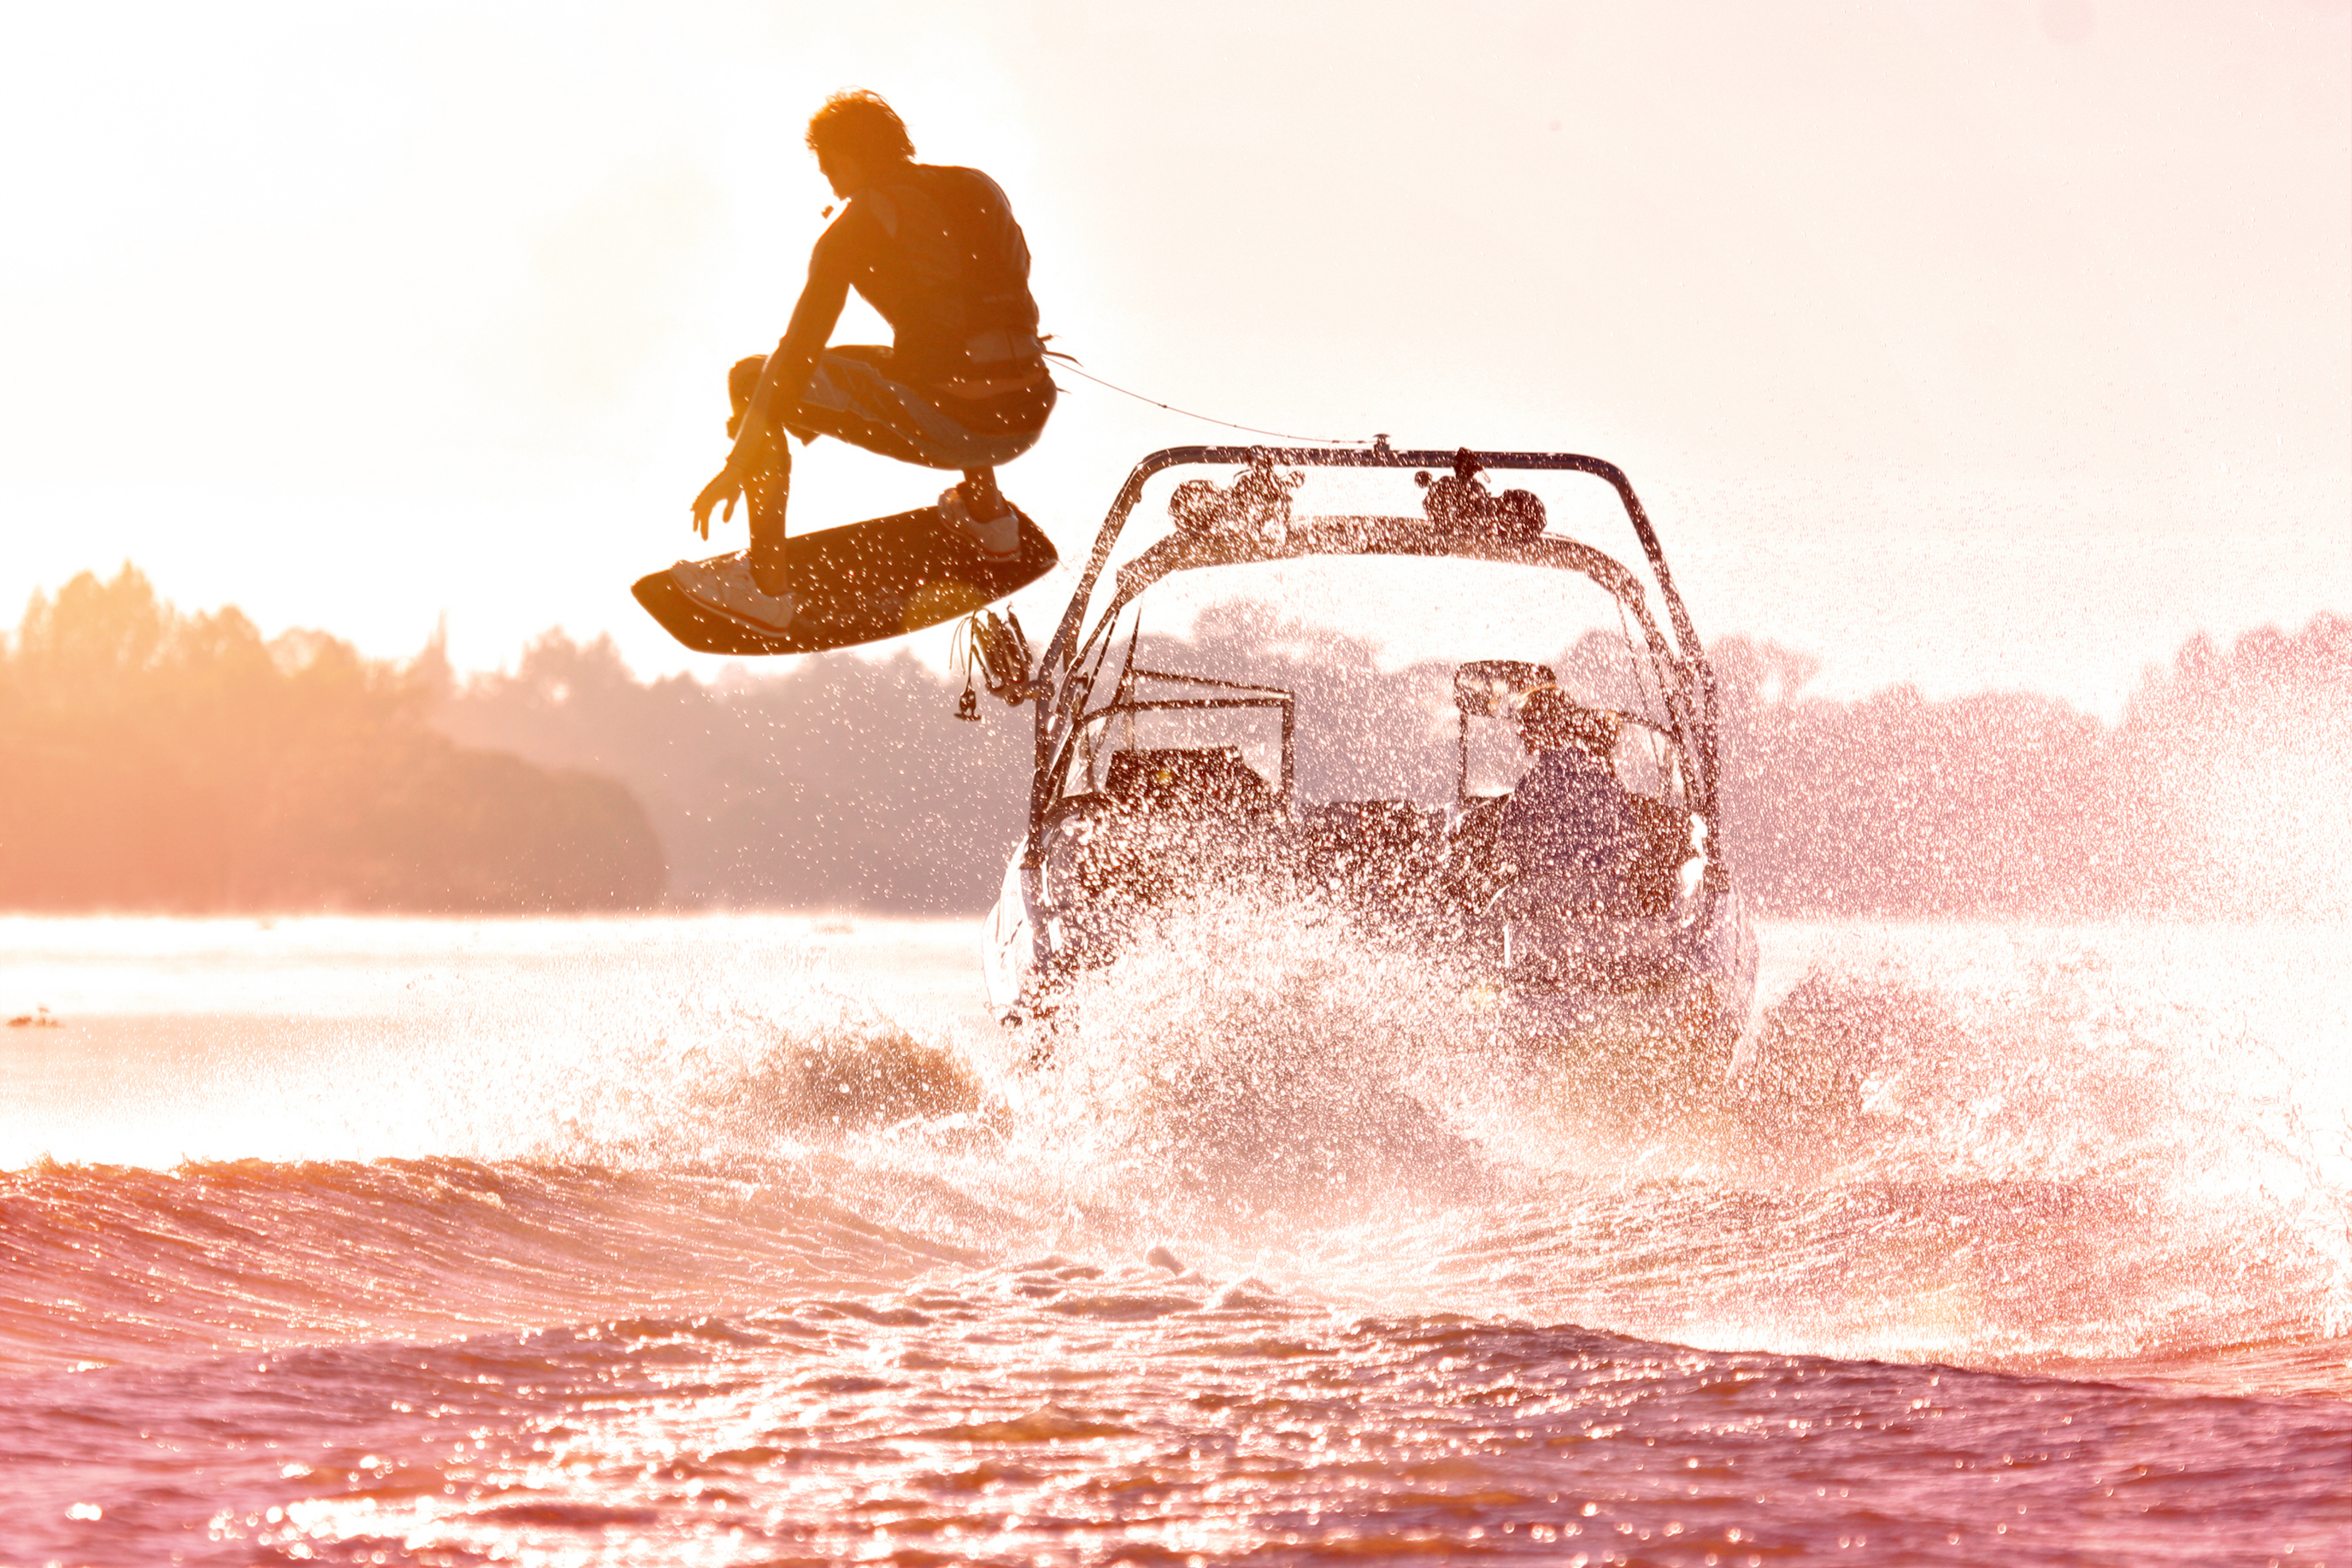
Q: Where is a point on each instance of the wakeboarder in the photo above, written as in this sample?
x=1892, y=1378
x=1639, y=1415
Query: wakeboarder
x=963, y=385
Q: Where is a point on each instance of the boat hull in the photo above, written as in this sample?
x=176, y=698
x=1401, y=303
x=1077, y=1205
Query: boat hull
x=1681, y=1025
x=1672, y=995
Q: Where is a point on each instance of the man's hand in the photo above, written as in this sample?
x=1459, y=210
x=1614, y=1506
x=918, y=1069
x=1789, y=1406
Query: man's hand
x=754, y=453
x=729, y=488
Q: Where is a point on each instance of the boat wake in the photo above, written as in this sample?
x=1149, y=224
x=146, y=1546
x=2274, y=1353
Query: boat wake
x=1959, y=1146
x=1994, y=1152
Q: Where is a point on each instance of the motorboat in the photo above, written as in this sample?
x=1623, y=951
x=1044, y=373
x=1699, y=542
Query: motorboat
x=1153, y=783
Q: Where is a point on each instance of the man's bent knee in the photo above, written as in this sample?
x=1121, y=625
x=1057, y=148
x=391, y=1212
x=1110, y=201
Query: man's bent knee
x=743, y=381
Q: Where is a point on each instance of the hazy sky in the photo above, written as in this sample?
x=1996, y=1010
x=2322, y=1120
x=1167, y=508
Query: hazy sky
x=1979, y=344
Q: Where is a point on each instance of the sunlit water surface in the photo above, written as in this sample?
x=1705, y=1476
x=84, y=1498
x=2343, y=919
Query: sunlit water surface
x=752, y=1240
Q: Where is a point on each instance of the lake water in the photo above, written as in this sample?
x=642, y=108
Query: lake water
x=753, y=1240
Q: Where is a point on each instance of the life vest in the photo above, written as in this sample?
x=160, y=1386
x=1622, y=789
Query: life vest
x=951, y=275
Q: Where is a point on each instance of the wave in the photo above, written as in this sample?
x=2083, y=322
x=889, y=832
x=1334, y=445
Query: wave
x=120, y=1263
x=2006, y=1150
x=1996, y=1149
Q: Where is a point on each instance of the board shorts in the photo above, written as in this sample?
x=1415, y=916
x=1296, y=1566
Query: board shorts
x=853, y=397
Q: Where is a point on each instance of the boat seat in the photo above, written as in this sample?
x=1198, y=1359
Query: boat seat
x=1191, y=780
x=1400, y=824
x=1632, y=870
x=1384, y=850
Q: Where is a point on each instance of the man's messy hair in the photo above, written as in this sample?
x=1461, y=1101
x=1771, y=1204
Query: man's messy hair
x=861, y=124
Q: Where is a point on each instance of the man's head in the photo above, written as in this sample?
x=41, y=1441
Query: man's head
x=1549, y=719
x=855, y=136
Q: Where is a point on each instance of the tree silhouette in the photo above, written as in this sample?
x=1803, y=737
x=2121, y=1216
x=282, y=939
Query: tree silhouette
x=154, y=760
x=150, y=760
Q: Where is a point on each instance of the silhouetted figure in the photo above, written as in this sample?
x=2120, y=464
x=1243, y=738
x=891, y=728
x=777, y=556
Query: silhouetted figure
x=962, y=386
x=1572, y=831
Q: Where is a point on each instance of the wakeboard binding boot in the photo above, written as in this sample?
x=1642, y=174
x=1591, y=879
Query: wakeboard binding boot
x=978, y=510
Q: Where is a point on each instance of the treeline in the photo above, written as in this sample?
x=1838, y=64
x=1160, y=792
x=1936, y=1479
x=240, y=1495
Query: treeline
x=2223, y=789
x=836, y=782
x=156, y=760
x=848, y=783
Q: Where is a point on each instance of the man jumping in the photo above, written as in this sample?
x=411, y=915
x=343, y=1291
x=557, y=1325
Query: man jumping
x=963, y=385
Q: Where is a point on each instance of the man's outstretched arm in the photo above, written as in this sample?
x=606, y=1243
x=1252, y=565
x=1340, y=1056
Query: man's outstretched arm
x=781, y=382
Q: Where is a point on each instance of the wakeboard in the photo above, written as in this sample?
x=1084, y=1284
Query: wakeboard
x=861, y=583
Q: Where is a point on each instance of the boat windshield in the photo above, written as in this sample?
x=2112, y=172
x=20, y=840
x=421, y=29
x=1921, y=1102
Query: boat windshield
x=1365, y=649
